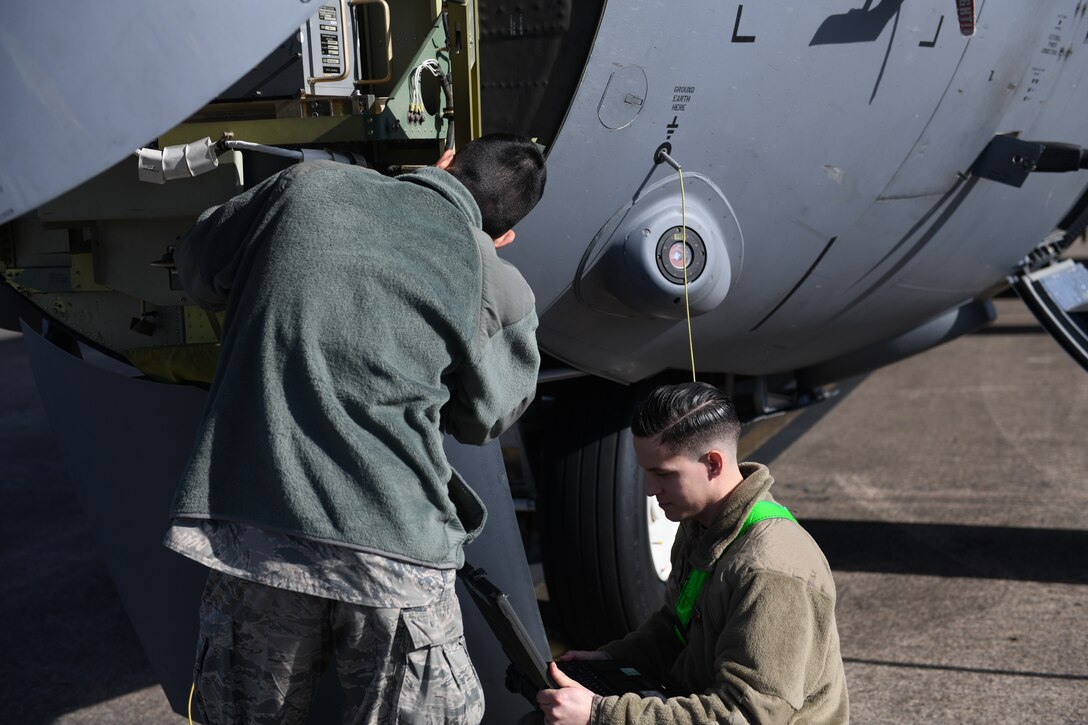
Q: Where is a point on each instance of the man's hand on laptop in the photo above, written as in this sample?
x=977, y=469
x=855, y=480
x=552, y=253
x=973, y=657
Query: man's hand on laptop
x=571, y=704
x=581, y=654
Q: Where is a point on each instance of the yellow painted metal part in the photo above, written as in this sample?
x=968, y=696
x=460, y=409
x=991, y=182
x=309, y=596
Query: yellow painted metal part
x=193, y=362
x=323, y=129
x=198, y=328
x=176, y=363
x=465, y=65
x=83, y=274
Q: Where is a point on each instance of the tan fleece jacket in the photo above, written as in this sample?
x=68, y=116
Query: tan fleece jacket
x=763, y=645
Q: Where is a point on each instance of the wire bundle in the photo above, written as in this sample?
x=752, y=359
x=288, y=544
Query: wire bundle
x=416, y=110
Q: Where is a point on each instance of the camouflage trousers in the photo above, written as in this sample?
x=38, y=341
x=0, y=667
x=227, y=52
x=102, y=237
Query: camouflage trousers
x=263, y=650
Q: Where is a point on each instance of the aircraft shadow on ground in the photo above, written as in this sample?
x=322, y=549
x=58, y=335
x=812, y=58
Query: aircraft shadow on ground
x=68, y=641
x=929, y=549
x=954, y=550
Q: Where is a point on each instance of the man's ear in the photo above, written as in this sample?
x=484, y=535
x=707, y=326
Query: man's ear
x=714, y=461
x=445, y=160
x=504, y=239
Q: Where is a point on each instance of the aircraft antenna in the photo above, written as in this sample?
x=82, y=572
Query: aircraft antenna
x=662, y=155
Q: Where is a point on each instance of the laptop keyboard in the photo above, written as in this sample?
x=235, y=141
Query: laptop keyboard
x=587, y=677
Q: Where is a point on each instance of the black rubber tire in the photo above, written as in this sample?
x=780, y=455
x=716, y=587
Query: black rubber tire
x=596, y=553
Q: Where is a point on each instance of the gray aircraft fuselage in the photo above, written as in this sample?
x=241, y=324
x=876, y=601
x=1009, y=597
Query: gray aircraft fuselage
x=834, y=146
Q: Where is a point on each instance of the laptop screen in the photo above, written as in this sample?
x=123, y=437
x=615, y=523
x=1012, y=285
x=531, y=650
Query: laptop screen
x=507, y=626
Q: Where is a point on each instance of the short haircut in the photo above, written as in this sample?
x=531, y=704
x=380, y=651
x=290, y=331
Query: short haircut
x=690, y=418
x=505, y=175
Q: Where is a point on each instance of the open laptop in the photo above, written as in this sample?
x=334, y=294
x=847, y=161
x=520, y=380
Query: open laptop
x=528, y=671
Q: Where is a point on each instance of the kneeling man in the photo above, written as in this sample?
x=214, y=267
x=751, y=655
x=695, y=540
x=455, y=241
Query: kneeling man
x=748, y=625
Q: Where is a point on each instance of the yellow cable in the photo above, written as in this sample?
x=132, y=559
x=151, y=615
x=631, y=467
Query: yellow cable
x=684, y=246
x=191, y=691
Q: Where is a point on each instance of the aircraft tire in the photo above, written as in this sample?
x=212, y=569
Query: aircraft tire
x=600, y=574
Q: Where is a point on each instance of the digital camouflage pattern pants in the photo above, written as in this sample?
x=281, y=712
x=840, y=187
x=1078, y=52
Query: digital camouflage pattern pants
x=263, y=650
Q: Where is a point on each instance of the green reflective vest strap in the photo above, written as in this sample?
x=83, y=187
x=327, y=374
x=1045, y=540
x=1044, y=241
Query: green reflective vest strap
x=765, y=510
x=686, y=602
x=693, y=585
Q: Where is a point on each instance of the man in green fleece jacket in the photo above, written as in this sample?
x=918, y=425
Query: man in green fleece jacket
x=366, y=317
x=759, y=644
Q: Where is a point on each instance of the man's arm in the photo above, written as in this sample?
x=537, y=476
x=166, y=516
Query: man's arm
x=779, y=630
x=208, y=257
x=653, y=646
x=493, y=388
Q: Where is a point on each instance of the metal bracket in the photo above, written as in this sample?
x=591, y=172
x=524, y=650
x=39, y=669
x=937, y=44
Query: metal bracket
x=1008, y=160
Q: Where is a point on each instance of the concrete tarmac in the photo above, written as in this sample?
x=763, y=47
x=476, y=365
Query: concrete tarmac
x=948, y=491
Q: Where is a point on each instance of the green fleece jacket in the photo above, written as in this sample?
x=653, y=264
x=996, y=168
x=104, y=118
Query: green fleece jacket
x=366, y=316
x=763, y=645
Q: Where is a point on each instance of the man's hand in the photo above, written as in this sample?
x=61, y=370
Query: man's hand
x=569, y=705
x=445, y=160
x=581, y=654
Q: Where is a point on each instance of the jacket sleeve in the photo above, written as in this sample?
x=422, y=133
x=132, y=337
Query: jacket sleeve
x=779, y=630
x=208, y=257
x=494, y=386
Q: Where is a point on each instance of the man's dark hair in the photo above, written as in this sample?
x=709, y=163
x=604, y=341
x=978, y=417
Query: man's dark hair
x=505, y=175
x=688, y=418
